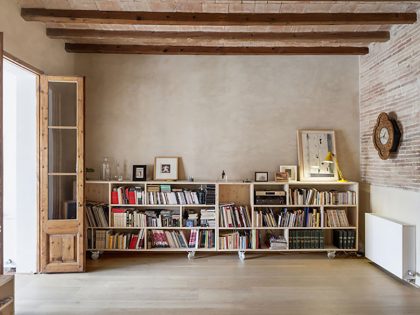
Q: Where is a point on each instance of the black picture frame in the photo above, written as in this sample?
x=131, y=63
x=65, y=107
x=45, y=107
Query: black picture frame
x=136, y=170
x=259, y=180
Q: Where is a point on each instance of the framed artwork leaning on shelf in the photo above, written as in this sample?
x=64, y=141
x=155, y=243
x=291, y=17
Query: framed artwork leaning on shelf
x=291, y=170
x=314, y=146
x=139, y=173
x=166, y=168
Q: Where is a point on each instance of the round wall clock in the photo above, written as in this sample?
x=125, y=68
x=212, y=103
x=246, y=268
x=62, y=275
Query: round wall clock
x=386, y=136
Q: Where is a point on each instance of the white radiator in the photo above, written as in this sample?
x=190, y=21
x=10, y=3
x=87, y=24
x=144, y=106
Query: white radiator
x=391, y=245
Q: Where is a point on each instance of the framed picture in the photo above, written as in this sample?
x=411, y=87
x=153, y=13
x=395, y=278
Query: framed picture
x=313, y=149
x=139, y=173
x=261, y=176
x=166, y=168
x=291, y=170
x=282, y=177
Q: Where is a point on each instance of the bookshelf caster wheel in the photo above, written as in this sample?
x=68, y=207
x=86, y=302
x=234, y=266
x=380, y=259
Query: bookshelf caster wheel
x=241, y=256
x=191, y=255
x=95, y=255
x=331, y=255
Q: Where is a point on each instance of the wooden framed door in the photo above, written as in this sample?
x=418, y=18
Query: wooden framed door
x=1, y=153
x=62, y=228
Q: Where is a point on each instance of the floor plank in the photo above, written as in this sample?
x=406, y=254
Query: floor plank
x=218, y=284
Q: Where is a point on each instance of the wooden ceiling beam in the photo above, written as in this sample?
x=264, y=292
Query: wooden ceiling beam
x=60, y=33
x=185, y=18
x=203, y=50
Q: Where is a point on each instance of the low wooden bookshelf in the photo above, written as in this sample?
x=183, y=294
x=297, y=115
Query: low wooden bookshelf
x=320, y=228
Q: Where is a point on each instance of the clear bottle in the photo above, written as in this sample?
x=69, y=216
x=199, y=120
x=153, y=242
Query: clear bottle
x=118, y=175
x=106, y=170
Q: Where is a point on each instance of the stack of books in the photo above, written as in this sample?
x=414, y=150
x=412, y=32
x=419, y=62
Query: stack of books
x=306, y=239
x=208, y=217
x=234, y=216
x=344, y=239
x=336, y=218
x=124, y=195
x=235, y=240
x=202, y=239
x=167, y=239
x=120, y=240
x=97, y=214
x=278, y=242
x=162, y=218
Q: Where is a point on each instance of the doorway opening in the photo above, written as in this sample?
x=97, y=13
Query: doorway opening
x=20, y=99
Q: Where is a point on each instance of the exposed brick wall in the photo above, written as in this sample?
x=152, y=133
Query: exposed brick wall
x=390, y=82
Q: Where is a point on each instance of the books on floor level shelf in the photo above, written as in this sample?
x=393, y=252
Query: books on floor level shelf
x=127, y=195
x=306, y=239
x=311, y=196
x=202, y=239
x=235, y=240
x=278, y=242
x=166, y=195
x=336, y=218
x=234, y=216
x=167, y=239
x=97, y=214
x=344, y=239
x=126, y=217
x=107, y=239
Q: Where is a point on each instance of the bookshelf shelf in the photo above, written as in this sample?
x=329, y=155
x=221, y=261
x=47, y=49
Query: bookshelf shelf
x=235, y=194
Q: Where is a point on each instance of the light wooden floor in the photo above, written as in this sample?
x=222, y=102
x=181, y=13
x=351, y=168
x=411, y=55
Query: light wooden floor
x=170, y=284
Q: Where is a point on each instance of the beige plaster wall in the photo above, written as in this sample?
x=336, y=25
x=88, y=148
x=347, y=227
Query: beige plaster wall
x=234, y=113
x=28, y=42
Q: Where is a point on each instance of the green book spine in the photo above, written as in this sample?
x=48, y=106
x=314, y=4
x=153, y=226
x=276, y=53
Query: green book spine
x=321, y=239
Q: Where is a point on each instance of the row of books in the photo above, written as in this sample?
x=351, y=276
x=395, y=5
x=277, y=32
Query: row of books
x=336, y=218
x=206, y=218
x=166, y=195
x=124, y=195
x=167, y=239
x=202, y=239
x=306, y=239
x=306, y=217
x=234, y=216
x=97, y=214
x=311, y=196
x=344, y=239
x=122, y=217
x=107, y=239
x=235, y=240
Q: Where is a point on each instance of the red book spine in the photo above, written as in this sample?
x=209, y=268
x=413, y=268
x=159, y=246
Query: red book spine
x=132, y=197
x=114, y=197
x=118, y=210
x=133, y=242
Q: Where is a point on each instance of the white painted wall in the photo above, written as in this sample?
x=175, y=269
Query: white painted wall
x=20, y=167
x=398, y=204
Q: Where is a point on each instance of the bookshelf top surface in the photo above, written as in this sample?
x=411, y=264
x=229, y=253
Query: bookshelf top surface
x=294, y=183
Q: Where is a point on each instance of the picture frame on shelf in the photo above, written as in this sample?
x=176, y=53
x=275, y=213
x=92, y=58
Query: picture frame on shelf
x=313, y=148
x=281, y=177
x=261, y=176
x=291, y=170
x=139, y=173
x=166, y=168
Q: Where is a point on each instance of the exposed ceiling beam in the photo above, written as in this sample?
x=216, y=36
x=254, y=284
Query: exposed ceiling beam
x=202, y=50
x=185, y=18
x=75, y=34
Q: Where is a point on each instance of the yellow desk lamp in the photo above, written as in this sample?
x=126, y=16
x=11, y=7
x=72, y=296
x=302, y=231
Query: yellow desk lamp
x=331, y=158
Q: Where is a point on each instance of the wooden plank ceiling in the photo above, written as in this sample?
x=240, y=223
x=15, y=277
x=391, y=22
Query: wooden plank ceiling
x=219, y=27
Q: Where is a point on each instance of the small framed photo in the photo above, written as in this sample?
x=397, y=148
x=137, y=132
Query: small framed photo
x=282, y=177
x=291, y=170
x=261, y=176
x=166, y=168
x=139, y=173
